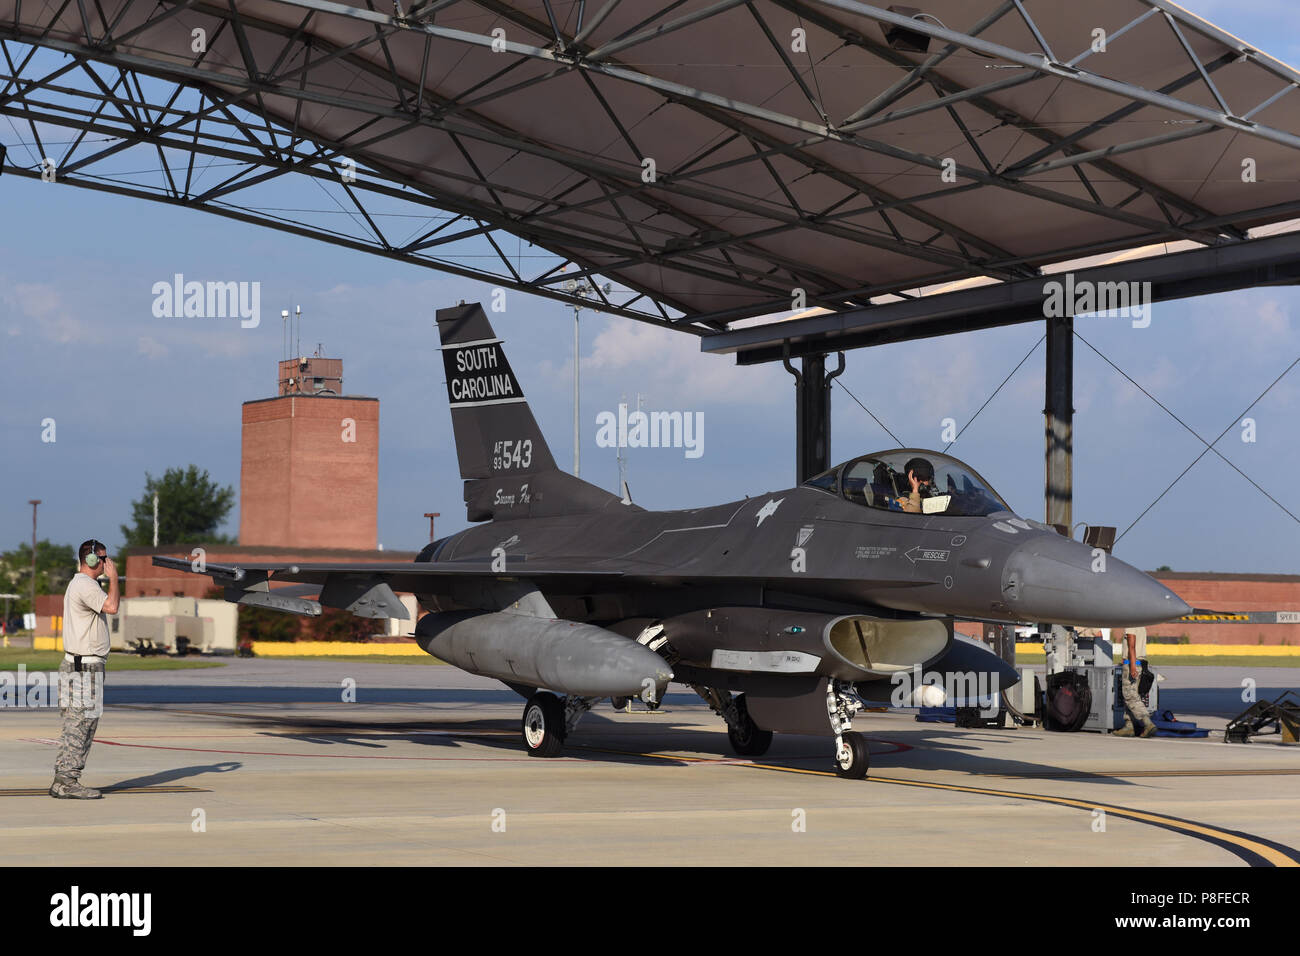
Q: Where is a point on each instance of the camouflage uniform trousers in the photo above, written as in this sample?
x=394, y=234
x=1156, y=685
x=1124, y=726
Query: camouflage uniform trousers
x=81, y=697
x=1137, y=711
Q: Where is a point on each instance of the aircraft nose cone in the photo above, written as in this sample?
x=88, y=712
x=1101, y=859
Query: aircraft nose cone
x=1056, y=580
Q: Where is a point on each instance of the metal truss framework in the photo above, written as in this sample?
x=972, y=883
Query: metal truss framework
x=1266, y=261
x=116, y=83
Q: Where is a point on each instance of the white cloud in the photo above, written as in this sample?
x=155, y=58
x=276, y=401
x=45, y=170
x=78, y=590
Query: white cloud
x=1274, y=324
x=669, y=368
x=42, y=306
x=947, y=386
x=1160, y=381
x=36, y=300
x=150, y=347
x=229, y=342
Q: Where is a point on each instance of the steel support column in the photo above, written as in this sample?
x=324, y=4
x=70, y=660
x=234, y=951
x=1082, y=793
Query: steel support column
x=1058, y=414
x=812, y=397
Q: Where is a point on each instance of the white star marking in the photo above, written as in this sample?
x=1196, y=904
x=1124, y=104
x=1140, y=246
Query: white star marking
x=768, y=510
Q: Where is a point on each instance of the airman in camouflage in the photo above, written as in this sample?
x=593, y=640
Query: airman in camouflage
x=1137, y=720
x=81, y=696
x=81, y=675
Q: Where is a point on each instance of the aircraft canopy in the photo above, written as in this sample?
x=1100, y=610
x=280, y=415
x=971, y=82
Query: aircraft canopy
x=881, y=480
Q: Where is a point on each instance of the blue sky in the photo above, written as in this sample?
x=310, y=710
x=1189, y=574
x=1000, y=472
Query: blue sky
x=132, y=393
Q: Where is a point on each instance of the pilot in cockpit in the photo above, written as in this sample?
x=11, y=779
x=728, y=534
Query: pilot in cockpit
x=920, y=476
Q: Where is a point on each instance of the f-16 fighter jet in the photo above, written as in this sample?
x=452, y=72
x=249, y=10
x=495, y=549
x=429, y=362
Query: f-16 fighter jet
x=786, y=611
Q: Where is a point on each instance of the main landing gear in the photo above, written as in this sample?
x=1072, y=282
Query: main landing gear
x=746, y=738
x=549, y=719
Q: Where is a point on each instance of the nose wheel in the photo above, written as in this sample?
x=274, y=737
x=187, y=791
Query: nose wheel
x=543, y=725
x=852, y=756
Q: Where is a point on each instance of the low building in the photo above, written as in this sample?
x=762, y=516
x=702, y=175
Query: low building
x=209, y=626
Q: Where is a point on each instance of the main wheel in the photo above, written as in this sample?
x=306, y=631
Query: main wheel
x=853, y=764
x=747, y=739
x=543, y=725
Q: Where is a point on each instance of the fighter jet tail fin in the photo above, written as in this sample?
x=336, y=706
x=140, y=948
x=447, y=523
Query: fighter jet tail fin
x=502, y=451
x=496, y=433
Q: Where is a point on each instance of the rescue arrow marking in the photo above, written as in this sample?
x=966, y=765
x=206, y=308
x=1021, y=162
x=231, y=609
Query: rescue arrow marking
x=926, y=554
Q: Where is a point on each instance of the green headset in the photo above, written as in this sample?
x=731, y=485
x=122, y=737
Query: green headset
x=92, y=559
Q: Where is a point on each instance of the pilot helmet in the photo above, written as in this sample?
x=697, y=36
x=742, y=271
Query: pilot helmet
x=920, y=467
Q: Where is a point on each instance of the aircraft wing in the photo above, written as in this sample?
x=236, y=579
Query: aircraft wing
x=369, y=590
x=421, y=576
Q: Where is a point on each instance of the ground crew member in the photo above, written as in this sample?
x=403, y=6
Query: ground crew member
x=81, y=675
x=1137, y=721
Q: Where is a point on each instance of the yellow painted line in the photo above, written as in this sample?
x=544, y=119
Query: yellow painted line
x=45, y=791
x=291, y=648
x=1197, y=650
x=334, y=649
x=1213, y=834
x=1154, y=651
x=350, y=649
x=1268, y=853
x=1123, y=775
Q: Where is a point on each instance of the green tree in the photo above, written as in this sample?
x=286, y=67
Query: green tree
x=55, y=566
x=264, y=624
x=191, y=506
x=335, y=624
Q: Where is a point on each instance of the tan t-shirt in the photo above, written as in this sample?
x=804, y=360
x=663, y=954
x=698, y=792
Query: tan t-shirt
x=1139, y=641
x=1117, y=643
x=85, y=627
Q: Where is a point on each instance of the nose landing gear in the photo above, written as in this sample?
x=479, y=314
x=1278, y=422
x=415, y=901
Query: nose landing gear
x=852, y=756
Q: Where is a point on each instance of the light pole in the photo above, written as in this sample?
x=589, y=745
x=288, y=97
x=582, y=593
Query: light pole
x=581, y=289
x=34, y=502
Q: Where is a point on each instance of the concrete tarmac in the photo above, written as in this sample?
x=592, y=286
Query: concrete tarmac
x=266, y=762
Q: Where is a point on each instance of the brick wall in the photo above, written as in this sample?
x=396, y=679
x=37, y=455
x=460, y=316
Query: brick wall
x=309, y=476
x=1222, y=592
x=1234, y=592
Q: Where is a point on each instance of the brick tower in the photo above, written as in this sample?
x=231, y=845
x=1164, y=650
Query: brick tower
x=309, y=473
